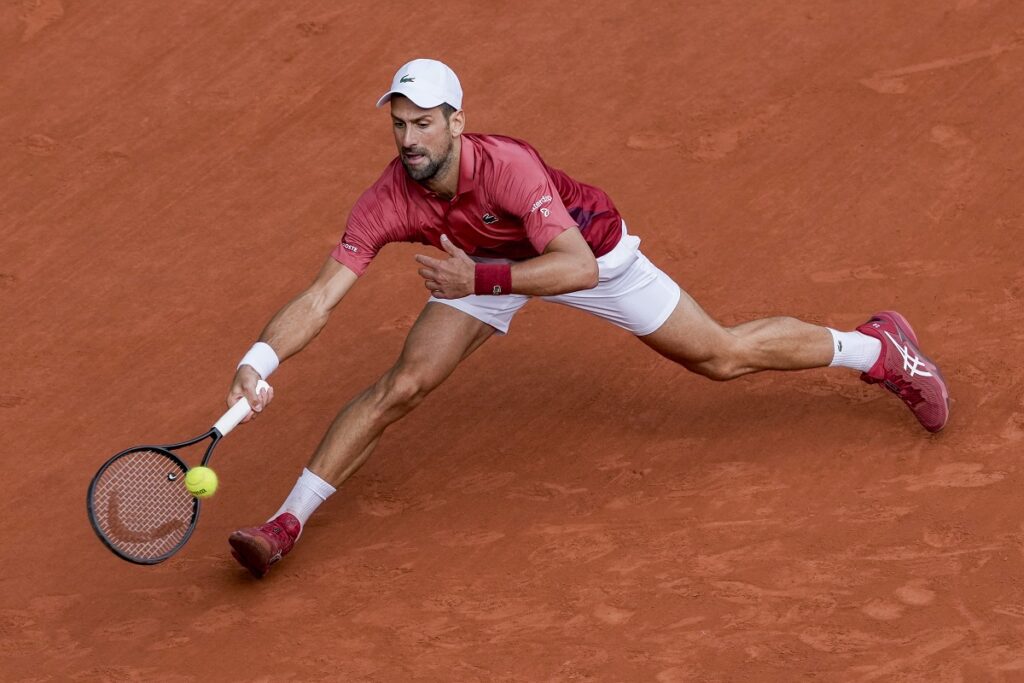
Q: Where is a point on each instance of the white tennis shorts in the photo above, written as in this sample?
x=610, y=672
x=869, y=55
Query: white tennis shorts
x=631, y=292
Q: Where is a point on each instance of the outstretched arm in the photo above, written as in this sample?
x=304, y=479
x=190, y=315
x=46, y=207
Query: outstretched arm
x=567, y=265
x=294, y=326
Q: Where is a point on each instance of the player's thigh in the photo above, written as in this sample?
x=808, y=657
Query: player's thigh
x=438, y=341
x=689, y=335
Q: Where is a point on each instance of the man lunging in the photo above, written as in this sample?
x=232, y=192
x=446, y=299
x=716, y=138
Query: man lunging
x=512, y=228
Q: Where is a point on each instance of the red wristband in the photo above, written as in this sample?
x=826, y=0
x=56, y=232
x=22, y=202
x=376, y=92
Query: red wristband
x=493, y=278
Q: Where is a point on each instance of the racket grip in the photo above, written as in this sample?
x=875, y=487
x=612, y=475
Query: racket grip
x=237, y=412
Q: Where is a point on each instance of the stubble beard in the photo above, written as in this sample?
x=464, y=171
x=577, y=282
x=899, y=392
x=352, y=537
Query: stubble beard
x=433, y=168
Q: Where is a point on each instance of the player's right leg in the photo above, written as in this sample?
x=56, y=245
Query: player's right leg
x=437, y=342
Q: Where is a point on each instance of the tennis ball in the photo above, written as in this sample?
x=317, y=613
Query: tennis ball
x=201, y=482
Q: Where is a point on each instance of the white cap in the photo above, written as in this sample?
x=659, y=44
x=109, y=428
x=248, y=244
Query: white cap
x=427, y=82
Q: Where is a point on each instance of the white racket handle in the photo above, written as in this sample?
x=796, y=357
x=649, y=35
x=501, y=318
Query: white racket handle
x=237, y=412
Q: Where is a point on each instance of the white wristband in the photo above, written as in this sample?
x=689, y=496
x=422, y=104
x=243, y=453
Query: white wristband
x=261, y=358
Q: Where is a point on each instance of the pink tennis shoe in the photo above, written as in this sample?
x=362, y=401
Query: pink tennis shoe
x=905, y=371
x=257, y=548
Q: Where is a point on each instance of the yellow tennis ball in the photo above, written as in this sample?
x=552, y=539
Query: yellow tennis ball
x=201, y=482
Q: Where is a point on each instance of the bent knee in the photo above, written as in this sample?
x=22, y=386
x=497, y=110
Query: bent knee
x=402, y=388
x=723, y=364
x=719, y=368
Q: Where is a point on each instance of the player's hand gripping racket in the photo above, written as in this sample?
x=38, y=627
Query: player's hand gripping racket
x=138, y=503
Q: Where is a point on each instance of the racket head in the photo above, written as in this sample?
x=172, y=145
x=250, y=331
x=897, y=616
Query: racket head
x=139, y=507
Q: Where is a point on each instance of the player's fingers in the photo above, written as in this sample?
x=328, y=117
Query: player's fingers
x=243, y=386
x=252, y=394
x=248, y=417
x=257, y=402
x=237, y=395
x=427, y=261
x=260, y=398
x=251, y=415
x=427, y=273
x=449, y=246
x=454, y=251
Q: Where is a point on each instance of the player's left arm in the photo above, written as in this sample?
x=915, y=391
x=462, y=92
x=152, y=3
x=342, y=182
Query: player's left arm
x=567, y=265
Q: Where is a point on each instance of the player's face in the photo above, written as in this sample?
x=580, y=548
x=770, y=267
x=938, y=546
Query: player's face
x=424, y=137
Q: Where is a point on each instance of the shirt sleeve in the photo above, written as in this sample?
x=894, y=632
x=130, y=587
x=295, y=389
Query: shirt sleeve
x=371, y=225
x=532, y=197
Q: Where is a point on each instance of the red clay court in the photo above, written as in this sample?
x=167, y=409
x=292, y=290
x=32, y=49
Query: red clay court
x=568, y=506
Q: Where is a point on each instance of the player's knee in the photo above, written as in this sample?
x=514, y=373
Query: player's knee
x=402, y=389
x=720, y=367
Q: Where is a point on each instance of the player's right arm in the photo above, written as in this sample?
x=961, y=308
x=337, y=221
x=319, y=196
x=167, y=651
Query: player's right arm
x=376, y=219
x=294, y=326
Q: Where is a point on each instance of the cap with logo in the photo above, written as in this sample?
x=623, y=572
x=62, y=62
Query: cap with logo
x=427, y=82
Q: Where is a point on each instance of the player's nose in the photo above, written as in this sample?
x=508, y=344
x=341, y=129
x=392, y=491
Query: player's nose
x=409, y=138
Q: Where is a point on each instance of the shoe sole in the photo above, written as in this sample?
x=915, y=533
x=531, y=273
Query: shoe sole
x=250, y=553
x=905, y=325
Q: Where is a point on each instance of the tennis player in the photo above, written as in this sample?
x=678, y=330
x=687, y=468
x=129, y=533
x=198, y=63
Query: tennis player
x=511, y=228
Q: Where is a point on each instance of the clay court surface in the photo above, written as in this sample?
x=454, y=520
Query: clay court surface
x=569, y=506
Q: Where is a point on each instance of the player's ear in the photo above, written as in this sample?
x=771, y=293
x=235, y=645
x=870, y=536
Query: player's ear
x=457, y=123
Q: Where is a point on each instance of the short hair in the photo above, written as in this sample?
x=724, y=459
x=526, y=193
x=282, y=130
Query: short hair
x=447, y=110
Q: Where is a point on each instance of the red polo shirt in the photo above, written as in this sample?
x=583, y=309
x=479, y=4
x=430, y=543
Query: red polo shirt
x=509, y=204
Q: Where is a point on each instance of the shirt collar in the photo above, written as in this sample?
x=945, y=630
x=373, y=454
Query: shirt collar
x=467, y=166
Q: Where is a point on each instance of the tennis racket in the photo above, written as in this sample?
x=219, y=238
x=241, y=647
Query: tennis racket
x=138, y=504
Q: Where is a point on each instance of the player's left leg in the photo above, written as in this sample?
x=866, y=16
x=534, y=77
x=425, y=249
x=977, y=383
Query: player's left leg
x=885, y=350
x=693, y=339
x=637, y=296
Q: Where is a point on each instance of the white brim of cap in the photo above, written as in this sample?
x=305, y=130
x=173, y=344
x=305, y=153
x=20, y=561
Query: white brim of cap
x=420, y=99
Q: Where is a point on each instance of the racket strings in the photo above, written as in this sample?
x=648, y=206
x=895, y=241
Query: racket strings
x=141, y=505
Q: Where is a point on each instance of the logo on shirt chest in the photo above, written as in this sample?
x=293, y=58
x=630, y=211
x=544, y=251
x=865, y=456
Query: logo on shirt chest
x=490, y=218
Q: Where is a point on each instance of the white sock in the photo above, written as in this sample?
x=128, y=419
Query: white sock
x=854, y=350
x=310, y=490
